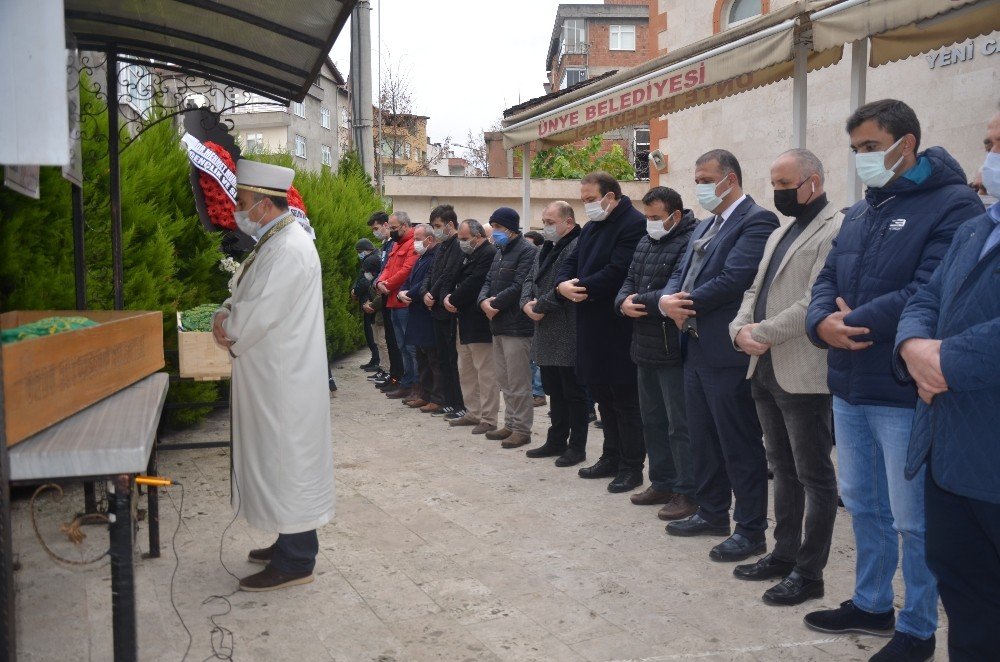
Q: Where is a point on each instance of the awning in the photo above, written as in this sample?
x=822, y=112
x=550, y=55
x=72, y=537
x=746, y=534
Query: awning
x=756, y=53
x=903, y=28
x=272, y=47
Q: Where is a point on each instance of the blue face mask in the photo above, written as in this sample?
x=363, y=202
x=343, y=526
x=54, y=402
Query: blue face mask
x=500, y=239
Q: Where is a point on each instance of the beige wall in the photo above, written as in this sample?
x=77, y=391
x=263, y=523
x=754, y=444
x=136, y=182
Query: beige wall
x=952, y=102
x=477, y=197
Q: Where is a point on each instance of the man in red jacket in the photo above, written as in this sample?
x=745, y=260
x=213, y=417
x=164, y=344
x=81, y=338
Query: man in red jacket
x=397, y=270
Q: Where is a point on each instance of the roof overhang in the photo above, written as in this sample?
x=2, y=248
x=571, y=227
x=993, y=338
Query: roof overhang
x=272, y=47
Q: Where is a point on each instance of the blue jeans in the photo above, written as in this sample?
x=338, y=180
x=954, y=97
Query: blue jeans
x=411, y=374
x=664, y=427
x=871, y=454
x=536, y=381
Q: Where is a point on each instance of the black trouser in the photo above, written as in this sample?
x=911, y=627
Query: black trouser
x=798, y=441
x=368, y=320
x=963, y=552
x=295, y=553
x=568, y=406
x=450, y=387
x=429, y=372
x=728, y=450
x=622, y=422
x=395, y=356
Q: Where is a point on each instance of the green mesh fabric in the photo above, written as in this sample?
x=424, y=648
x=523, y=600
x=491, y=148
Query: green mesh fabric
x=44, y=327
x=198, y=318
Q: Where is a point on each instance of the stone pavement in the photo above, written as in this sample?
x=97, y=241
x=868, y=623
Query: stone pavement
x=444, y=547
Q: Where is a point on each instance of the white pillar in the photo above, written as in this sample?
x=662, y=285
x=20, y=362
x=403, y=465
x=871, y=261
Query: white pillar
x=526, y=193
x=859, y=80
x=800, y=96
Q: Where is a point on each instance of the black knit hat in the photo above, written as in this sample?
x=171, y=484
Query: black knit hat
x=364, y=245
x=506, y=217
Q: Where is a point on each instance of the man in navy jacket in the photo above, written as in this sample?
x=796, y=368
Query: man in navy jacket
x=949, y=339
x=889, y=245
x=702, y=297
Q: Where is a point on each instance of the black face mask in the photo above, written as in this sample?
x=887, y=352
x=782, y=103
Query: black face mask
x=394, y=235
x=787, y=202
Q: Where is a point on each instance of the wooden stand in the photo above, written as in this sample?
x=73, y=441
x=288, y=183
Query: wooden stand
x=199, y=358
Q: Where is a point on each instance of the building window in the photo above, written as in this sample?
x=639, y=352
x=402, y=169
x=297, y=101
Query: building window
x=254, y=142
x=743, y=10
x=572, y=77
x=300, y=146
x=324, y=117
x=574, y=36
x=327, y=155
x=345, y=119
x=299, y=108
x=623, y=37
x=642, y=152
x=406, y=150
x=135, y=87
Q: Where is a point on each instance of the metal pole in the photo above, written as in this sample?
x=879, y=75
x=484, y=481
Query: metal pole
x=800, y=94
x=361, y=85
x=114, y=183
x=8, y=640
x=79, y=260
x=859, y=82
x=123, y=613
x=526, y=178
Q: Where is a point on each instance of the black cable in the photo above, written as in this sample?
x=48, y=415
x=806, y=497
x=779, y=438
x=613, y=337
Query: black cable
x=177, y=564
x=220, y=649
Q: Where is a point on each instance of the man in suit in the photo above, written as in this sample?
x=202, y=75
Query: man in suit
x=702, y=297
x=788, y=380
x=591, y=278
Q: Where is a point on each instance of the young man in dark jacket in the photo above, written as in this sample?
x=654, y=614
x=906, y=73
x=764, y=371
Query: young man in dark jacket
x=371, y=264
x=591, y=278
x=948, y=342
x=499, y=300
x=657, y=354
x=437, y=284
x=554, y=349
x=475, y=349
x=888, y=246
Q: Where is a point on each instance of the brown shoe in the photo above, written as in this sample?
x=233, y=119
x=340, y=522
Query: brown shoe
x=463, y=421
x=497, y=435
x=515, y=439
x=538, y=401
x=414, y=402
x=680, y=506
x=399, y=394
x=431, y=407
x=261, y=556
x=651, y=497
x=484, y=428
x=270, y=579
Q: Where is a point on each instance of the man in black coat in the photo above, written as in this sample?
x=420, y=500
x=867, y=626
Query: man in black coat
x=436, y=286
x=371, y=264
x=475, y=349
x=657, y=354
x=702, y=298
x=591, y=278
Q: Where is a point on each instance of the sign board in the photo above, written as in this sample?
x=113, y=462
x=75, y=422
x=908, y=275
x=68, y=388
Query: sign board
x=22, y=178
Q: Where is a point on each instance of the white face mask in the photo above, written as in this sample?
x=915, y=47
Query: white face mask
x=991, y=174
x=419, y=248
x=438, y=233
x=595, y=210
x=871, y=168
x=655, y=229
x=243, y=221
x=550, y=232
x=707, y=197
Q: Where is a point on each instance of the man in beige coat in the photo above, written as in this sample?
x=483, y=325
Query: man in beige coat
x=788, y=381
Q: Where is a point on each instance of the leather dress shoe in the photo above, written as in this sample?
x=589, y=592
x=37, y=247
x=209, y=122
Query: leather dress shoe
x=261, y=556
x=400, y=393
x=679, y=507
x=483, y=428
x=625, y=481
x=766, y=567
x=270, y=579
x=463, y=421
x=603, y=468
x=515, y=440
x=651, y=497
x=793, y=590
x=696, y=525
x=498, y=435
x=570, y=458
x=737, y=547
x=414, y=402
x=546, y=450
x=430, y=407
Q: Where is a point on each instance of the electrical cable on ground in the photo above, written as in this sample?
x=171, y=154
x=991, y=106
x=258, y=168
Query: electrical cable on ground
x=72, y=529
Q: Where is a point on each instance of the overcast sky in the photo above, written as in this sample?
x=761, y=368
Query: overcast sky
x=466, y=61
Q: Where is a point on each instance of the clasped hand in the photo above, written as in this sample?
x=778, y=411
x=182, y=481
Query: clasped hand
x=678, y=307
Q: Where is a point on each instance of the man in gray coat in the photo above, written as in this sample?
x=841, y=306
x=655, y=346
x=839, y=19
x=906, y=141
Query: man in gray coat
x=554, y=349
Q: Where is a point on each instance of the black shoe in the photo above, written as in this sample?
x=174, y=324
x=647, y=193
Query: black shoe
x=766, y=567
x=848, y=618
x=905, y=647
x=371, y=366
x=443, y=411
x=391, y=384
x=793, y=590
x=626, y=481
x=570, y=458
x=603, y=468
x=696, y=525
x=377, y=376
x=546, y=450
x=333, y=386
x=737, y=547
x=454, y=414
x=599, y=425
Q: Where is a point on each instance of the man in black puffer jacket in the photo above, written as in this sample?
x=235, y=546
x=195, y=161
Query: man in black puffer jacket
x=657, y=354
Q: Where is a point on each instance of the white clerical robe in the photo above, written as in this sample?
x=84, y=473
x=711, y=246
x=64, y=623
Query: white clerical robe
x=282, y=448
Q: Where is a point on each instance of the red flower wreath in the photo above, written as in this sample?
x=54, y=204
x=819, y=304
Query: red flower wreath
x=218, y=204
x=295, y=200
